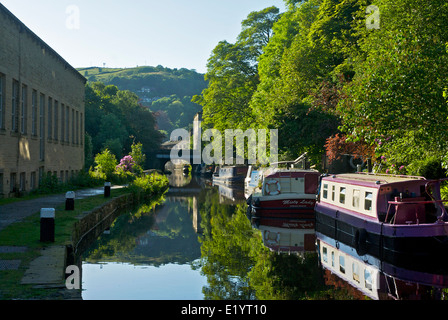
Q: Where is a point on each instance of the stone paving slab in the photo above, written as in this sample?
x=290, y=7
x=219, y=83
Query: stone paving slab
x=48, y=269
x=9, y=264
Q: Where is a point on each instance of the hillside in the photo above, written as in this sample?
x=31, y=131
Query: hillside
x=167, y=92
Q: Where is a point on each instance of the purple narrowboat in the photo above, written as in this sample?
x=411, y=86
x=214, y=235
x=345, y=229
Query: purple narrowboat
x=393, y=217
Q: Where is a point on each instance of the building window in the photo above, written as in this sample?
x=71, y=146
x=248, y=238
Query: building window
x=41, y=128
x=33, y=181
x=67, y=125
x=73, y=126
x=50, y=118
x=77, y=128
x=15, y=107
x=41, y=174
x=56, y=120
x=24, y=110
x=34, y=113
x=62, y=122
x=342, y=195
x=2, y=104
x=81, y=129
x=12, y=182
x=22, y=184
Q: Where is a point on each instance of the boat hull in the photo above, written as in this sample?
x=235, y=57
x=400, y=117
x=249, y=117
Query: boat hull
x=284, y=213
x=397, y=244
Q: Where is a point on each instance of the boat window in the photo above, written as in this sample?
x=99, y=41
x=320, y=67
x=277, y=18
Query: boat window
x=342, y=264
x=368, y=201
x=324, y=254
x=368, y=279
x=342, y=195
x=332, y=258
x=356, y=198
x=355, y=271
x=325, y=193
x=333, y=191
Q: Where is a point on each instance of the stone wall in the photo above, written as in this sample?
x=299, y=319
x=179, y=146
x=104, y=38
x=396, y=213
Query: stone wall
x=92, y=224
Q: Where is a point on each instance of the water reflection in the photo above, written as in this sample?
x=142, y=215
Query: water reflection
x=369, y=276
x=198, y=243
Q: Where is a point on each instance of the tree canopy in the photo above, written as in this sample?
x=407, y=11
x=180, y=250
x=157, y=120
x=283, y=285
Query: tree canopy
x=115, y=121
x=373, y=77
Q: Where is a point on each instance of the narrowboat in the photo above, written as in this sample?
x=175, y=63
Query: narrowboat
x=376, y=278
x=230, y=174
x=394, y=217
x=286, y=199
x=287, y=240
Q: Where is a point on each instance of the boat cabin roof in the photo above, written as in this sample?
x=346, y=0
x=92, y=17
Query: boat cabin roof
x=371, y=180
x=289, y=173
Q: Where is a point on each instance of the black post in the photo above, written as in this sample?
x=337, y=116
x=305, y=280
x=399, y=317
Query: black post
x=107, y=190
x=70, y=201
x=47, y=225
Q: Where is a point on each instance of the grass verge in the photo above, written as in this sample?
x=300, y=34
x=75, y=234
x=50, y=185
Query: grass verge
x=27, y=234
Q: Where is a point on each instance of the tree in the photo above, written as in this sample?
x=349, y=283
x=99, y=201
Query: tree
x=400, y=73
x=233, y=76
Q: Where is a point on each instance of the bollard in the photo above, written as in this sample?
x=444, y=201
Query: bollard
x=47, y=216
x=106, y=189
x=70, y=201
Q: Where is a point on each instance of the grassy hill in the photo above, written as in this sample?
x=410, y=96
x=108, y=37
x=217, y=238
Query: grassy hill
x=167, y=92
x=149, y=83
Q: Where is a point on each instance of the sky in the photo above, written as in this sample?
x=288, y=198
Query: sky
x=126, y=34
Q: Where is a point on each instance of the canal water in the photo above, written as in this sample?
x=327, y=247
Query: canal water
x=197, y=243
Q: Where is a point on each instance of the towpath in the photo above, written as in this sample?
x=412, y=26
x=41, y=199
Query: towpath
x=17, y=211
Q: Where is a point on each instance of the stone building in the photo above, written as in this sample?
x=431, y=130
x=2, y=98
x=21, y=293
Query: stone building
x=41, y=110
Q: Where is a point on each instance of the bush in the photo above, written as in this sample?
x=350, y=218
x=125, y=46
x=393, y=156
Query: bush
x=149, y=185
x=105, y=165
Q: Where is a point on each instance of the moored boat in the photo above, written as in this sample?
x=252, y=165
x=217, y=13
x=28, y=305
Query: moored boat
x=376, y=278
x=230, y=174
x=286, y=199
x=393, y=217
x=286, y=240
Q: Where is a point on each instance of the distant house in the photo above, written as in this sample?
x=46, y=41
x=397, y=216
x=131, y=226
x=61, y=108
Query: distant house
x=41, y=110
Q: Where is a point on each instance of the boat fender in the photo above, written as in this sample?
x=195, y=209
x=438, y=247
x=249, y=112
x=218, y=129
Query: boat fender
x=275, y=192
x=271, y=241
x=361, y=241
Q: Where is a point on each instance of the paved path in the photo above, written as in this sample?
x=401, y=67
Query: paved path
x=17, y=211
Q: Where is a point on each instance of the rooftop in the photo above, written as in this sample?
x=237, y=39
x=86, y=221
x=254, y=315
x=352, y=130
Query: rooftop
x=24, y=28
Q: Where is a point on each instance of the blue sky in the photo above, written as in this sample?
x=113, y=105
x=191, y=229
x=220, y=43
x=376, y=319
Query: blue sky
x=172, y=33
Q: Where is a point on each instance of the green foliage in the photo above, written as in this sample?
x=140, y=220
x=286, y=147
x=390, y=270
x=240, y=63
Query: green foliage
x=317, y=70
x=105, y=165
x=400, y=77
x=115, y=120
x=148, y=185
x=138, y=156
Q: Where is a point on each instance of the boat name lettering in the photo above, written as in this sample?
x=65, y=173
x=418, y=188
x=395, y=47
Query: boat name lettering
x=295, y=202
